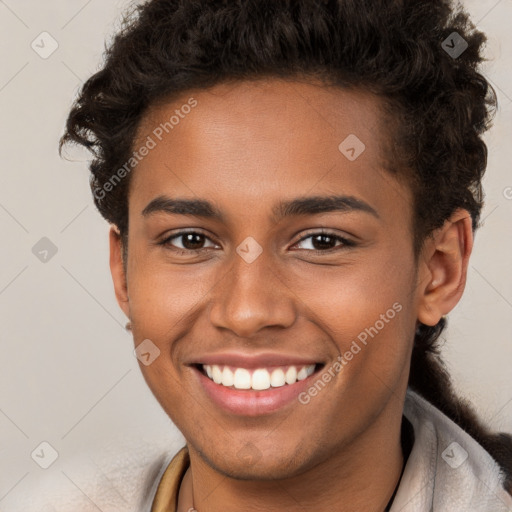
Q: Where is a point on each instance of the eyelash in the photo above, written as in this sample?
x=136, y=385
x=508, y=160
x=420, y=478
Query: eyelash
x=345, y=242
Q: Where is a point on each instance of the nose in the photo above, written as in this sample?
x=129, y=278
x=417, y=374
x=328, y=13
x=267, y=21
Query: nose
x=252, y=296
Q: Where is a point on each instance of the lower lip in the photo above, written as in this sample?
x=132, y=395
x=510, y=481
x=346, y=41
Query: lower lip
x=251, y=402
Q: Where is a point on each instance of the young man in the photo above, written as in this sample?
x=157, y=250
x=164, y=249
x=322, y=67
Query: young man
x=293, y=189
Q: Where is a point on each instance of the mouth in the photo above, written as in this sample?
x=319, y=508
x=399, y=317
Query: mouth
x=258, y=379
x=254, y=391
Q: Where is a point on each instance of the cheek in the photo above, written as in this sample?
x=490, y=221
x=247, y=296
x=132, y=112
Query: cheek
x=162, y=297
x=347, y=300
x=368, y=314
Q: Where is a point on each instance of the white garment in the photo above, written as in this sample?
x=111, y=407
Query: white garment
x=123, y=477
x=444, y=477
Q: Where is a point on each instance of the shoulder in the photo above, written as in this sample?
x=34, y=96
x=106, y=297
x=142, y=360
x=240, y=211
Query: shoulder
x=121, y=475
x=447, y=468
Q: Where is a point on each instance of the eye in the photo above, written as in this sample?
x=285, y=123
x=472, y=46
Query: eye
x=191, y=242
x=322, y=241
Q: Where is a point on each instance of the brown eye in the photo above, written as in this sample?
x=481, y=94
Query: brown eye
x=324, y=241
x=191, y=241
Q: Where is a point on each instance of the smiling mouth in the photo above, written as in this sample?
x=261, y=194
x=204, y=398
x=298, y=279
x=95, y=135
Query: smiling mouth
x=257, y=379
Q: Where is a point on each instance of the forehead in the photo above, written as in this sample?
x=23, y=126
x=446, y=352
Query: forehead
x=263, y=139
x=264, y=106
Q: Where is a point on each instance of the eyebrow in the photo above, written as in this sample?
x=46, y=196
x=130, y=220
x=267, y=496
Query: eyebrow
x=300, y=206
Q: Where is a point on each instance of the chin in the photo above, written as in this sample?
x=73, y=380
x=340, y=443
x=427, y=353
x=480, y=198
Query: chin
x=248, y=464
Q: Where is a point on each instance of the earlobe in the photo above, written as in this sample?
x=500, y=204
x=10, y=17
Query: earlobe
x=445, y=263
x=117, y=270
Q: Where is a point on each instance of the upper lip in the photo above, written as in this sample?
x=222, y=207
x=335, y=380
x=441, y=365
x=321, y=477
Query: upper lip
x=241, y=360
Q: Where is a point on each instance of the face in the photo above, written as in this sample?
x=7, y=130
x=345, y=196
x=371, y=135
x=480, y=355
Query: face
x=265, y=274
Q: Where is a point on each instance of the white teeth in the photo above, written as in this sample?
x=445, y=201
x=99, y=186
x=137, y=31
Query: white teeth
x=217, y=374
x=291, y=375
x=301, y=375
x=227, y=377
x=277, y=378
x=259, y=379
x=242, y=379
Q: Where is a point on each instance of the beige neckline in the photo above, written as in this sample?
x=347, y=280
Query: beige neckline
x=166, y=497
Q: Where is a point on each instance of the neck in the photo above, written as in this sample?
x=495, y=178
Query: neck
x=360, y=476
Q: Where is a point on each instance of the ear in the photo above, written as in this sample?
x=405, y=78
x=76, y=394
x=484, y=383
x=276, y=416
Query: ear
x=117, y=270
x=444, y=263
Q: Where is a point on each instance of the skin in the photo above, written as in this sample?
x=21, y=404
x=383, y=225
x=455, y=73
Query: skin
x=244, y=148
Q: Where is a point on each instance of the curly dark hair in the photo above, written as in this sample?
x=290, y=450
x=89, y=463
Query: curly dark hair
x=437, y=105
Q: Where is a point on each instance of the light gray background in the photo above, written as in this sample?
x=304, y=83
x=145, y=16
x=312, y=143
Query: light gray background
x=67, y=371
